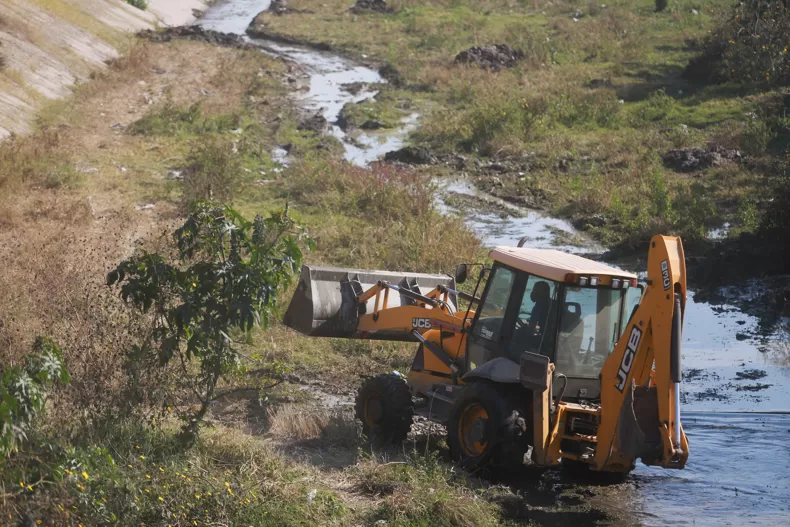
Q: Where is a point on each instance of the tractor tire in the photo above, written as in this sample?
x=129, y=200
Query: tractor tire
x=385, y=407
x=487, y=428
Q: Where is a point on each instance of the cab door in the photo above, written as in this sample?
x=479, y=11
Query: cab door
x=494, y=320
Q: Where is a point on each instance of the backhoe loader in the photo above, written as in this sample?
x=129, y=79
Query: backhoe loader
x=555, y=359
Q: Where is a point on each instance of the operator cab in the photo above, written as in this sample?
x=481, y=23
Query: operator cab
x=566, y=307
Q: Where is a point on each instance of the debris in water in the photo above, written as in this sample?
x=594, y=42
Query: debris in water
x=751, y=375
x=754, y=387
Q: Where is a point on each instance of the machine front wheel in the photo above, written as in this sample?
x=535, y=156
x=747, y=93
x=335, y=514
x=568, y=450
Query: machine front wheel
x=487, y=427
x=385, y=408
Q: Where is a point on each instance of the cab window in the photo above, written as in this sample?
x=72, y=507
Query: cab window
x=590, y=325
x=489, y=323
x=535, y=326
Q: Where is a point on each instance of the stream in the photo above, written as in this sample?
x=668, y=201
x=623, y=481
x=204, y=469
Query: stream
x=736, y=390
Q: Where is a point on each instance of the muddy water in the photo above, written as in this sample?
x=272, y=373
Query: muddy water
x=329, y=74
x=739, y=464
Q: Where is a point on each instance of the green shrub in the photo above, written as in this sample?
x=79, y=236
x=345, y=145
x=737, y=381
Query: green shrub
x=170, y=119
x=23, y=393
x=139, y=4
x=225, y=280
x=750, y=46
x=212, y=171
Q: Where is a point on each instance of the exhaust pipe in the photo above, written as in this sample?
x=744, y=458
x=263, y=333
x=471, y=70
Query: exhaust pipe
x=325, y=303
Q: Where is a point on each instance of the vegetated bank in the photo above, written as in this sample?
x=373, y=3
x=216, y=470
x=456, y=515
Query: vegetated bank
x=589, y=111
x=113, y=170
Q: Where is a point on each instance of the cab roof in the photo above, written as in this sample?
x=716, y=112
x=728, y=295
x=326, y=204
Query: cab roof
x=553, y=264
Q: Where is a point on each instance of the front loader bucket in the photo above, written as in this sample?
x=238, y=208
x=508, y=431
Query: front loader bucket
x=325, y=301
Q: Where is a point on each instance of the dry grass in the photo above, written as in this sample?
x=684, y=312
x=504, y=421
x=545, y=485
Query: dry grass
x=301, y=422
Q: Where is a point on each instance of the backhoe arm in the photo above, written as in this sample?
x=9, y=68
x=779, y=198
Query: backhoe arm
x=640, y=380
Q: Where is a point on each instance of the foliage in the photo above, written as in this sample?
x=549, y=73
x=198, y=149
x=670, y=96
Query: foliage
x=211, y=171
x=171, y=119
x=750, y=46
x=139, y=4
x=661, y=5
x=225, y=280
x=24, y=390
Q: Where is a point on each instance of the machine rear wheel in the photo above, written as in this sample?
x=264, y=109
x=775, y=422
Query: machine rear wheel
x=385, y=408
x=486, y=427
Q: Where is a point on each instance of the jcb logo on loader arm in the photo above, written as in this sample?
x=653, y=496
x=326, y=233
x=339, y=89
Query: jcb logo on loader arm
x=628, y=357
x=421, y=323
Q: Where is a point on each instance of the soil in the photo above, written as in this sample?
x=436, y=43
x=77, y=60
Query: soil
x=494, y=57
x=418, y=155
x=695, y=159
x=197, y=34
x=368, y=6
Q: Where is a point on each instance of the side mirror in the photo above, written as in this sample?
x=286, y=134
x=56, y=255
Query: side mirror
x=461, y=272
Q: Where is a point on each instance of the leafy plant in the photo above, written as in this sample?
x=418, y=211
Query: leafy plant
x=139, y=4
x=212, y=171
x=750, y=46
x=225, y=280
x=23, y=392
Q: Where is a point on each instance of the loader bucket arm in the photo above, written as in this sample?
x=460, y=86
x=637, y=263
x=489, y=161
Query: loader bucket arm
x=640, y=380
x=354, y=303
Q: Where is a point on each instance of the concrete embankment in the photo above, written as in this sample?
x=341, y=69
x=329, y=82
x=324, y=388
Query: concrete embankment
x=48, y=47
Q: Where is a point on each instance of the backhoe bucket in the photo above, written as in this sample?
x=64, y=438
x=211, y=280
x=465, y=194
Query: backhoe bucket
x=325, y=303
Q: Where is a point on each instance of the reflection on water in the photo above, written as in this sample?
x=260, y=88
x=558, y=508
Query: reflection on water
x=737, y=474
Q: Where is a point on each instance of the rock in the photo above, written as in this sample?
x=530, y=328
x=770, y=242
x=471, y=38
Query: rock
x=146, y=206
x=694, y=159
x=599, y=83
x=493, y=57
x=354, y=88
x=578, y=13
x=314, y=123
x=585, y=223
x=175, y=174
x=391, y=74
x=371, y=124
x=366, y=6
x=412, y=155
x=278, y=7
x=195, y=33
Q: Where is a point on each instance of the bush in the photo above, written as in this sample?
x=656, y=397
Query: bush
x=212, y=171
x=225, y=280
x=23, y=393
x=139, y=4
x=661, y=5
x=750, y=46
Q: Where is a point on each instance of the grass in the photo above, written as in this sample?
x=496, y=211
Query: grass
x=602, y=94
x=73, y=188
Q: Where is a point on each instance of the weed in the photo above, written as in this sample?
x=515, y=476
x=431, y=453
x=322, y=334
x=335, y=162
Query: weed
x=211, y=171
x=226, y=279
x=139, y=4
x=750, y=46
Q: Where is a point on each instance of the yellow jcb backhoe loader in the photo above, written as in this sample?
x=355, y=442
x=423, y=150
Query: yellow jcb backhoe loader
x=560, y=359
